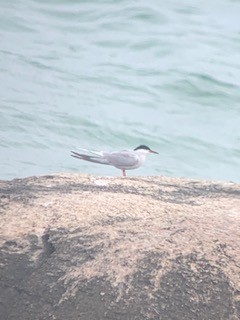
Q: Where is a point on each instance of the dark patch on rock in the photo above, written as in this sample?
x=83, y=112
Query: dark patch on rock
x=34, y=291
x=48, y=246
x=195, y=289
x=112, y=220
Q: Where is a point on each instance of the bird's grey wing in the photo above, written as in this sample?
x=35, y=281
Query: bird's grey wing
x=122, y=160
x=95, y=159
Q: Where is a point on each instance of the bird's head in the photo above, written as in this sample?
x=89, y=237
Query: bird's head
x=144, y=150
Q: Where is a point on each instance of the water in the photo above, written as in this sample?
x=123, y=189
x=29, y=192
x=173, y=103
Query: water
x=116, y=74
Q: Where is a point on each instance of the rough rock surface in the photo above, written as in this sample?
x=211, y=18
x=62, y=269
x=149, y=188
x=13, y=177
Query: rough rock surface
x=85, y=247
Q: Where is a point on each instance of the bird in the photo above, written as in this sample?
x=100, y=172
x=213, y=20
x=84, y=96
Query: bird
x=123, y=159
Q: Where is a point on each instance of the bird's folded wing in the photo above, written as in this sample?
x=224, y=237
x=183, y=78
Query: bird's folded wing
x=122, y=159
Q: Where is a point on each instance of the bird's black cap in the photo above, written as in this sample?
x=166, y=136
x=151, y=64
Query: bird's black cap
x=142, y=146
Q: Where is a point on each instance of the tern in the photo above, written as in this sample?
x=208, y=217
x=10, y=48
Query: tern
x=124, y=159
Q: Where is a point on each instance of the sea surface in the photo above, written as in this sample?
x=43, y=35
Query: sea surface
x=109, y=75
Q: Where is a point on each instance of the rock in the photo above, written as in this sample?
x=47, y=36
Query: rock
x=85, y=247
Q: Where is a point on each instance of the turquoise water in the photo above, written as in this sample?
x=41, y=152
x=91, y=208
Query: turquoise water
x=115, y=74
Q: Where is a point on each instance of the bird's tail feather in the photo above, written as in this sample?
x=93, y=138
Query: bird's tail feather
x=96, y=159
x=98, y=153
